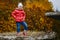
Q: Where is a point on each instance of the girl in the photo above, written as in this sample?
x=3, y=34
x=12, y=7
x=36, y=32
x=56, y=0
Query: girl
x=19, y=16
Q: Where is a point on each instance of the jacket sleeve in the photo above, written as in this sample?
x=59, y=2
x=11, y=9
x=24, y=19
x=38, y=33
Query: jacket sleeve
x=13, y=14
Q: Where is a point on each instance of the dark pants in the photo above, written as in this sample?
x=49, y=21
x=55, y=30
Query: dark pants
x=21, y=23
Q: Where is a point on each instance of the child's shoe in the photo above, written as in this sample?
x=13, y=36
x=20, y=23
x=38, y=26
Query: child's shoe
x=18, y=34
x=25, y=33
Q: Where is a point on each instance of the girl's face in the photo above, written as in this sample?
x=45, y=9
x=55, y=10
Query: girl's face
x=20, y=8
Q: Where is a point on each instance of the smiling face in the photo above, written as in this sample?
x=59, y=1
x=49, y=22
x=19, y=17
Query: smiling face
x=20, y=8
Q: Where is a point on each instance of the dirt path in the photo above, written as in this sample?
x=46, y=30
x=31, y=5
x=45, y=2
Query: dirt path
x=31, y=35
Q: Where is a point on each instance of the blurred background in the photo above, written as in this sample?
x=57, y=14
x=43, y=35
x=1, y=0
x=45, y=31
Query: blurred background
x=35, y=16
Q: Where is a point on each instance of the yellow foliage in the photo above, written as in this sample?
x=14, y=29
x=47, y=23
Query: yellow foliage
x=35, y=17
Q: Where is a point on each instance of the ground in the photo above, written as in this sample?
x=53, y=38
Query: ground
x=31, y=35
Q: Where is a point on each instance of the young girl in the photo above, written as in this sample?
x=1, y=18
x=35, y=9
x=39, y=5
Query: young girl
x=19, y=16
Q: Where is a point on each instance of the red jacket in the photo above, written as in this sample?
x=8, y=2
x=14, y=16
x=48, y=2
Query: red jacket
x=18, y=15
